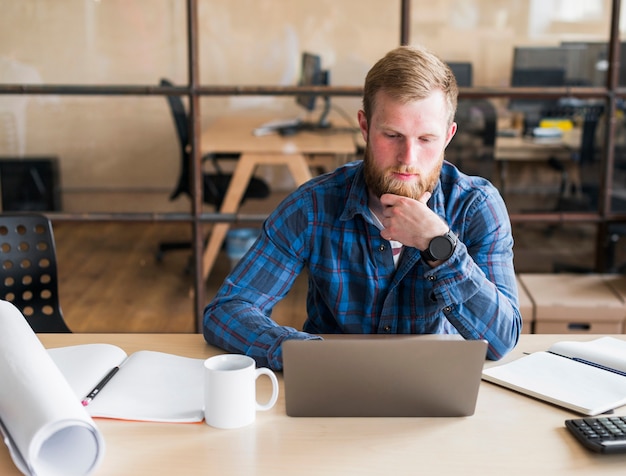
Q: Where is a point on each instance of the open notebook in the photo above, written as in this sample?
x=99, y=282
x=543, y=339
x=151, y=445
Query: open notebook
x=403, y=376
x=587, y=377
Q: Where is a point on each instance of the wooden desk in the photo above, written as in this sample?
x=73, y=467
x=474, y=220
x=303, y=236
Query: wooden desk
x=510, y=434
x=234, y=134
x=522, y=149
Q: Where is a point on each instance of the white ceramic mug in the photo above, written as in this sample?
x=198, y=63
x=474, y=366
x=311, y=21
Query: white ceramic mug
x=230, y=390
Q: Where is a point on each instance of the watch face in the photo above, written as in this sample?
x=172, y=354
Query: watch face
x=441, y=247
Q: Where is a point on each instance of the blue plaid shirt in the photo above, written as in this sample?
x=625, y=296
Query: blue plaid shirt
x=354, y=288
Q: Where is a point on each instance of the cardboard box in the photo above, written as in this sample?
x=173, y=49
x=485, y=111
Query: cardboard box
x=568, y=303
x=617, y=282
x=526, y=308
x=589, y=327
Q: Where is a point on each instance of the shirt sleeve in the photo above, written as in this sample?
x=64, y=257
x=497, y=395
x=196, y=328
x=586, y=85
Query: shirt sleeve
x=238, y=319
x=476, y=286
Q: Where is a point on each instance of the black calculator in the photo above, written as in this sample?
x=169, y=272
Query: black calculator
x=605, y=434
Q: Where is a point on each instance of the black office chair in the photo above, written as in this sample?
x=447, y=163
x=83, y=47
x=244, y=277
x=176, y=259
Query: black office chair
x=214, y=185
x=472, y=149
x=29, y=270
x=586, y=198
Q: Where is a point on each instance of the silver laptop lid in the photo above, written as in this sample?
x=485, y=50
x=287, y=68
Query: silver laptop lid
x=399, y=376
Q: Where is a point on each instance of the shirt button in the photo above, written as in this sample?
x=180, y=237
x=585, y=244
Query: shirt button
x=447, y=309
x=431, y=278
x=387, y=328
x=381, y=248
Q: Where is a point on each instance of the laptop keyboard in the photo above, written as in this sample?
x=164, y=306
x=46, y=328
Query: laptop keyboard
x=602, y=434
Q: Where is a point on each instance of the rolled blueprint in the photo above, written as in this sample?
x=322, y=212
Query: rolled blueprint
x=46, y=428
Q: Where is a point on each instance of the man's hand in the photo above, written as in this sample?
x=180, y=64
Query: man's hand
x=410, y=221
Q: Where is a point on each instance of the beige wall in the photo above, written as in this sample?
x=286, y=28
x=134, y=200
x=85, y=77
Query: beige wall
x=120, y=153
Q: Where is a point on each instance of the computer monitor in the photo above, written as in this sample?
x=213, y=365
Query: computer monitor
x=528, y=77
x=568, y=58
x=539, y=67
x=312, y=74
x=462, y=72
x=535, y=77
x=595, y=57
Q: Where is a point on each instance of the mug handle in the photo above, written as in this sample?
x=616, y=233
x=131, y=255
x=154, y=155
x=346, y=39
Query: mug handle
x=274, y=397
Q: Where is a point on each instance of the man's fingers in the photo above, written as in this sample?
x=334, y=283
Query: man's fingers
x=424, y=198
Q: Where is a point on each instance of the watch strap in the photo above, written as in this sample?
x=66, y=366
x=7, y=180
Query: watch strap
x=427, y=255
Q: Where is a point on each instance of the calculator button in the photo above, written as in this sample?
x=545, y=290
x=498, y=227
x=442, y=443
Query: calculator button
x=600, y=434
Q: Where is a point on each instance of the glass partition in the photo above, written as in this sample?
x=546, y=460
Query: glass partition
x=535, y=116
x=92, y=42
x=486, y=34
x=551, y=163
x=117, y=153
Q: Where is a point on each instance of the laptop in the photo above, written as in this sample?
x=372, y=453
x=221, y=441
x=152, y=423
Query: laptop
x=399, y=376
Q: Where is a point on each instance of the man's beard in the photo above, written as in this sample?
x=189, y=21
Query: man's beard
x=380, y=182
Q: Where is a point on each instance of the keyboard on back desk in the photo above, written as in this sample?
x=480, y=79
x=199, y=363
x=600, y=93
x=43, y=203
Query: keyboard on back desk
x=606, y=434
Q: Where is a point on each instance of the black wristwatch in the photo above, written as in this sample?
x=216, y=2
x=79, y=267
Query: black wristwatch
x=441, y=247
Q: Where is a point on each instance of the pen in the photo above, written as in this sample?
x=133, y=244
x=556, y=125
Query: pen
x=99, y=387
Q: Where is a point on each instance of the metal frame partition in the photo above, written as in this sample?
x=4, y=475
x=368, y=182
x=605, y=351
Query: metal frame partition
x=193, y=90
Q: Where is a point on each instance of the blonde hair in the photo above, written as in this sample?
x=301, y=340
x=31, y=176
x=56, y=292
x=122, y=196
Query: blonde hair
x=409, y=73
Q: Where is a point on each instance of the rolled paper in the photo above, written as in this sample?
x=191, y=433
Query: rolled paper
x=44, y=424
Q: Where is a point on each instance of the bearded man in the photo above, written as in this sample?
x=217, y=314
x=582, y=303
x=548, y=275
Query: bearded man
x=401, y=242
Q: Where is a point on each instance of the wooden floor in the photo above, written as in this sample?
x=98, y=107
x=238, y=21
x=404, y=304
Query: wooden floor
x=111, y=282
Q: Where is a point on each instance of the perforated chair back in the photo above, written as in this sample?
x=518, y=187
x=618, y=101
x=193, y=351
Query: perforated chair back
x=29, y=270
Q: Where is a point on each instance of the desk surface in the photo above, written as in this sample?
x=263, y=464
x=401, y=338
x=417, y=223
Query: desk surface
x=509, y=434
x=234, y=134
x=529, y=149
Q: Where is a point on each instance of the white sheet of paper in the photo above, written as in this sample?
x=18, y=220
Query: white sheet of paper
x=562, y=381
x=607, y=351
x=84, y=365
x=154, y=386
x=150, y=386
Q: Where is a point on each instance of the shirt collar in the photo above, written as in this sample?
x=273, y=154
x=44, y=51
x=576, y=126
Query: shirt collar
x=357, y=202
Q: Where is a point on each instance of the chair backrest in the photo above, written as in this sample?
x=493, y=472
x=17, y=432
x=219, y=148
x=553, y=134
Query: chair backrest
x=29, y=270
x=477, y=129
x=181, y=121
x=588, y=146
x=214, y=185
x=489, y=119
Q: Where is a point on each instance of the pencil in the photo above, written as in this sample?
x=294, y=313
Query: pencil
x=87, y=400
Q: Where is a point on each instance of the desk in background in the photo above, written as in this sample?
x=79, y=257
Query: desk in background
x=509, y=434
x=518, y=149
x=298, y=152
